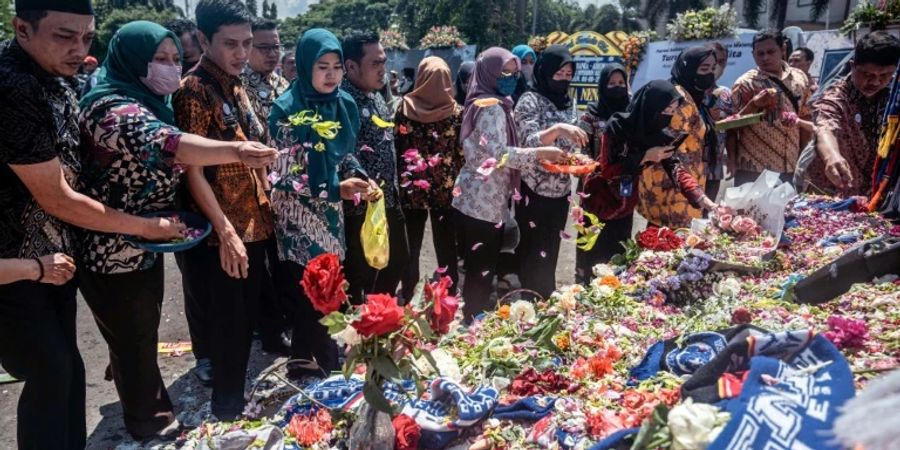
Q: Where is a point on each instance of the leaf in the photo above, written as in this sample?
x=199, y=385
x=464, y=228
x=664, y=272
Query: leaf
x=430, y=358
x=351, y=361
x=425, y=328
x=654, y=431
x=542, y=334
x=386, y=367
x=335, y=322
x=376, y=399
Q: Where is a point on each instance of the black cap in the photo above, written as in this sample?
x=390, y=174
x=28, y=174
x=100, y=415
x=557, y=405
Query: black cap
x=67, y=6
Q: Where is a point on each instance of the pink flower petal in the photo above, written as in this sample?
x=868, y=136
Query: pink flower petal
x=366, y=148
x=532, y=224
x=457, y=191
x=499, y=225
x=543, y=254
x=485, y=273
x=583, y=195
x=442, y=270
x=296, y=185
x=477, y=246
x=357, y=198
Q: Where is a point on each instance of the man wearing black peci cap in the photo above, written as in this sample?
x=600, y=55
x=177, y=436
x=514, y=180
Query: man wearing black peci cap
x=38, y=165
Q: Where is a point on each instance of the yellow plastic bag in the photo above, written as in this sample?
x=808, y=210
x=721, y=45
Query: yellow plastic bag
x=374, y=235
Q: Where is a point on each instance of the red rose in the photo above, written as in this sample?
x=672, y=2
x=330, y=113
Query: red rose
x=406, y=433
x=741, y=316
x=660, y=239
x=324, y=283
x=445, y=305
x=380, y=316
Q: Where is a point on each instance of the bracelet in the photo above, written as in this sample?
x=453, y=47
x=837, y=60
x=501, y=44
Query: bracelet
x=41, y=267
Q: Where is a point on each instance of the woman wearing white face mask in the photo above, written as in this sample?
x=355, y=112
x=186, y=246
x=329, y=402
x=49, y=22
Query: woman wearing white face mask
x=130, y=154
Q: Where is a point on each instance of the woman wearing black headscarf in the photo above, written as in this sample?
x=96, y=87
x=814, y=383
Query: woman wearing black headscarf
x=635, y=141
x=612, y=97
x=544, y=116
x=660, y=200
x=462, y=81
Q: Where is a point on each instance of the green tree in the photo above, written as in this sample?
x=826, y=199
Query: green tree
x=6, y=16
x=273, y=11
x=111, y=22
x=253, y=7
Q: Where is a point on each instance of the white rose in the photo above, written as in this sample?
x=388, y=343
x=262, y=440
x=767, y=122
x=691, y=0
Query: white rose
x=729, y=287
x=521, y=311
x=567, y=302
x=602, y=270
x=500, y=348
x=348, y=336
x=602, y=290
x=695, y=425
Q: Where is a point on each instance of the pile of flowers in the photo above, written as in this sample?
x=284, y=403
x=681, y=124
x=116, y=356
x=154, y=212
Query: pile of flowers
x=393, y=39
x=709, y=23
x=442, y=37
x=633, y=48
x=578, y=346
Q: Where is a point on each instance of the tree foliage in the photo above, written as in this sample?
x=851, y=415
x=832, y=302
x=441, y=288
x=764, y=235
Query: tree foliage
x=112, y=14
x=253, y=7
x=6, y=16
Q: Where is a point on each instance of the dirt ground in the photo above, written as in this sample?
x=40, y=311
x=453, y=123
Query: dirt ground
x=104, y=413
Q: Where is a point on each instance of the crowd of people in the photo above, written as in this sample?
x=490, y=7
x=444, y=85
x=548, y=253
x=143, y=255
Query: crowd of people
x=198, y=116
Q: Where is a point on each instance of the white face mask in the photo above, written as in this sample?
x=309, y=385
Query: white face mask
x=528, y=70
x=162, y=79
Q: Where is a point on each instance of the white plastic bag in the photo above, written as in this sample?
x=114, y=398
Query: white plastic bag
x=764, y=200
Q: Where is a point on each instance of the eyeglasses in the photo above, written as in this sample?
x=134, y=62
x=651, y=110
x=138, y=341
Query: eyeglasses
x=269, y=48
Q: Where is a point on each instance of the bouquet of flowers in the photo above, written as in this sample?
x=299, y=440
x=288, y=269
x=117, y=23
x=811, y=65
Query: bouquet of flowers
x=538, y=43
x=393, y=39
x=442, y=37
x=874, y=14
x=633, y=48
x=380, y=335
x=709, y=23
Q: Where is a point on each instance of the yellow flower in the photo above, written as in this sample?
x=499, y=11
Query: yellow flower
x=319, y=147
x=381, y=123
x=328, y=129
x=305, y=117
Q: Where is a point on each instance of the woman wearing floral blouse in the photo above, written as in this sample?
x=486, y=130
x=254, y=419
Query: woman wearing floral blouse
x=310, y=182
x=491, y=170
x=131, y=155
x=661, y=201
x=544, y=116
x=429, y=156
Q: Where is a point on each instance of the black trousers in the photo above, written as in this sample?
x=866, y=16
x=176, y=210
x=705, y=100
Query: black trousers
x=196, y=298
x=38, y=345
x=363, y=278
x=127, y=310
x=272, y=317
x=712, y=189
x=608, y=245
x=538, y=248
x=480, y=262
x=443, y=232
x=230, y=317
x=310, y=340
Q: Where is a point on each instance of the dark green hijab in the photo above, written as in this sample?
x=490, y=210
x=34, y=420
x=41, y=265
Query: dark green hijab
x=130, y=50
x=336, y=106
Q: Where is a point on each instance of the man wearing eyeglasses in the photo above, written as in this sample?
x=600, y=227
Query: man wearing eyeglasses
x=262, y=83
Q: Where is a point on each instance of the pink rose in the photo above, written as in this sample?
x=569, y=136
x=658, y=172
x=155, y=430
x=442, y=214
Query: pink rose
x=744, y=225
x=725, y=221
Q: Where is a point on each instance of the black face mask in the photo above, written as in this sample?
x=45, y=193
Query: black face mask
x=558, y=87
x=705, y=81
x=661, y=121
x=617, y=93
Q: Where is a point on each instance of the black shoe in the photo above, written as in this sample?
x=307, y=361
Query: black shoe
x=203, y=371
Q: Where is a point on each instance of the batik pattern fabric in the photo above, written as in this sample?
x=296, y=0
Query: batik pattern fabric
x=661, y=200
x=214, y=104
x=375, y=146
x=129, y=165
x=483, y=192
x=38, y=122
x=262, y=90
x=305, y=225
x=534, y=114
x=854, y=120
x=426, y=180
x=770, y=145
x=721, y=107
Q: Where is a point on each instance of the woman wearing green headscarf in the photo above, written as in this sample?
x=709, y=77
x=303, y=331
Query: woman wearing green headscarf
x=131, y=152
x=316, y=124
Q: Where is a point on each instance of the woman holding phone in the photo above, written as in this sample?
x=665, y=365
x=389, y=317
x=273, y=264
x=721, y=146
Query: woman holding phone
x=660, y=198
x=635, y=141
